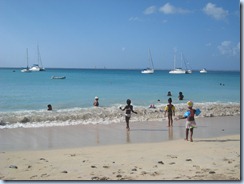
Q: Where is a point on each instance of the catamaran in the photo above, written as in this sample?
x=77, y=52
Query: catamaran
x=149, y=70
x=177, y=70
x=37, y=67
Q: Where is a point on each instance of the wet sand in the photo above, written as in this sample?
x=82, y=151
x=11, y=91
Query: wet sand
x=94, y=135
x=150, y=151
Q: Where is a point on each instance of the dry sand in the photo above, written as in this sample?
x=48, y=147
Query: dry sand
x=207, y=158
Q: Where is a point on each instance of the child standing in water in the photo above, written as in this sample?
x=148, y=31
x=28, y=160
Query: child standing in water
x=170, y=109
x=190, y=120
x=128, y=109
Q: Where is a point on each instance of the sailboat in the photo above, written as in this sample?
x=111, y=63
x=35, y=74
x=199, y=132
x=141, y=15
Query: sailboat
x=203, y=70
x=149, y=70
x=183, y=58
x=177, y=70
x=27, y=67
x=38, y=67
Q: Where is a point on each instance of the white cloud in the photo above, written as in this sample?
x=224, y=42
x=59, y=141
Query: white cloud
x=227, y=48
x=217, y=13
x=170, y=9
x=150, y=10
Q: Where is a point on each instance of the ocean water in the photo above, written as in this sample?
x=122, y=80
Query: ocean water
x=24, y=96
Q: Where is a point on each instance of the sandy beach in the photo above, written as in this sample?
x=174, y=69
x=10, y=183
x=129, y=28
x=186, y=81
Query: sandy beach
x=150, y=151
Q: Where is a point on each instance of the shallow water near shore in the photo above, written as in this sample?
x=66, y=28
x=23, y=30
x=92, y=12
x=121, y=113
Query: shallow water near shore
x=99, y=134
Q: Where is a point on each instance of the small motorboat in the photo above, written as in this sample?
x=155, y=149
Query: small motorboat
x=58, y=77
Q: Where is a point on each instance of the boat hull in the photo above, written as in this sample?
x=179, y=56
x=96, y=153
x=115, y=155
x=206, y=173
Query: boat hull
x=177, y=71
x=56, y=77
x=203, y=71
x=36, y=69
x=147, y=71
x=25, y=70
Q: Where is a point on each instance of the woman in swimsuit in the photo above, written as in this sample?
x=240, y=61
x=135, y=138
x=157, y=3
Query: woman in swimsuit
x=128, y=109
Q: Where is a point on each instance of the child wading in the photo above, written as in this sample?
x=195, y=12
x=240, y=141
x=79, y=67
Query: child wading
x=170, y=109
x=128, y=109
x=190, y=120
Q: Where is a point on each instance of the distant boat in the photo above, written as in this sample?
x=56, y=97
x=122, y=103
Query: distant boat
x=58, y=77
x=37, y=67
x=203, y=71
x=27, y=67
x=188, y=71
x=177, y=70
x=149, y=70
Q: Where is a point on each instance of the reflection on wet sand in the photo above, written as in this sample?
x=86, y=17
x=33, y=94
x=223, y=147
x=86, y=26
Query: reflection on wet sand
x=170, y=133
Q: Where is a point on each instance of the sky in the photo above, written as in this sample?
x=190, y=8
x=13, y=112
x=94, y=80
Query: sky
x=117, y=34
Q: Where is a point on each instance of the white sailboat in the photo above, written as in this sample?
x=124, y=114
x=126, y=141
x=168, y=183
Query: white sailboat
x=27, y=67
x=203, y=70
x=177, y=70
x=37, y=67
x=149, y=70
x=183, y=58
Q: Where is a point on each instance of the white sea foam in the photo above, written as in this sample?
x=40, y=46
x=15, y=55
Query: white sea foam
x=105, y=115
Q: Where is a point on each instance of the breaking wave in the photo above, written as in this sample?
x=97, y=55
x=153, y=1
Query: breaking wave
x=105, y=115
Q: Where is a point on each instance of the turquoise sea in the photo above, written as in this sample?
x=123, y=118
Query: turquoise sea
x=24, y=96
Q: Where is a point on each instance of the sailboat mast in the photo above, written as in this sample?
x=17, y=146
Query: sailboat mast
x=181, y=55
x=174, y=60
x=39, y=61
x=27, y=58
x=150, y=58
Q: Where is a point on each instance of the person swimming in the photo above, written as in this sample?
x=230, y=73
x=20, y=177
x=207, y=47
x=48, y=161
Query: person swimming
x=49, y=107
x=181, y=96
x=169, y=93
x=96, y=103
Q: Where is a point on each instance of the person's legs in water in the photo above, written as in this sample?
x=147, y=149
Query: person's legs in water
x=187, y=132
x=127, y=119
x=171, y=120
x=191, y=134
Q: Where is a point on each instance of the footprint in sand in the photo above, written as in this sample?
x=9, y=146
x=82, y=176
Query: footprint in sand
x=33, y=176
x=172, y=156
x=160, y=162
x=13, y=167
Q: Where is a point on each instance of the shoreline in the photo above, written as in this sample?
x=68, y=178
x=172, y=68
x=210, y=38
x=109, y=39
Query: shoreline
x=73, y=136
x=150, y=151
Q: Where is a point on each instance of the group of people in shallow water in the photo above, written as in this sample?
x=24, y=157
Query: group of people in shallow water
x=169, y=111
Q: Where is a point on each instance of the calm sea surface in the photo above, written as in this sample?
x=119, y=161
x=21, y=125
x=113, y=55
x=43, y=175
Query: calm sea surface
x=31, y=92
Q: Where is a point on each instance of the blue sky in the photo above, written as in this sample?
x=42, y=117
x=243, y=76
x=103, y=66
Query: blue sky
x=118, y=33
